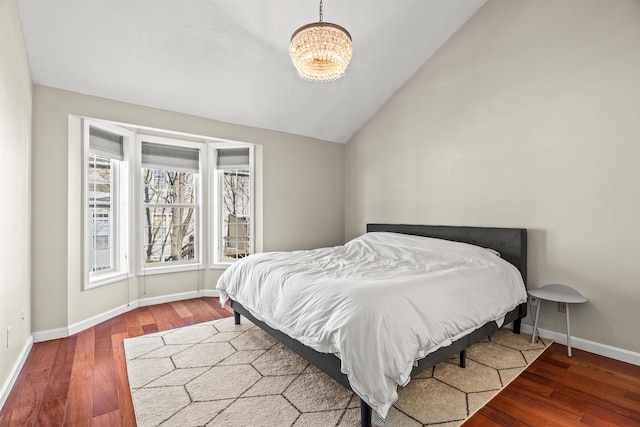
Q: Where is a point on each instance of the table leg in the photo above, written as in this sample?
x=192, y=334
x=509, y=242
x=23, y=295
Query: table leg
x=535, y=322
x=568, y=331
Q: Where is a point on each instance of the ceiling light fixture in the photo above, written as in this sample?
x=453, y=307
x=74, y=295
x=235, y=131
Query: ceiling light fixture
x=321, y=51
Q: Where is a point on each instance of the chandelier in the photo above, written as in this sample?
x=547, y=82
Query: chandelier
x=321, y=51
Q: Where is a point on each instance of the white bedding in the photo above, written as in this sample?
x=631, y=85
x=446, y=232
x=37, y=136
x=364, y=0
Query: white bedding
x=380, y=302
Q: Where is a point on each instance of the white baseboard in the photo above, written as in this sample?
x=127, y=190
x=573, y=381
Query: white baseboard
x=52, y=334
x=143, y=302
x=80, y=326
x=586, y=345
x=582, y=344
x=15, y=371
x=163, y=299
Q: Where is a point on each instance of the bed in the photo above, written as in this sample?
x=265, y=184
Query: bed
x=340, y=355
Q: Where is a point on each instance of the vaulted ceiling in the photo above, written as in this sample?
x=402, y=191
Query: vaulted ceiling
x=228, y=59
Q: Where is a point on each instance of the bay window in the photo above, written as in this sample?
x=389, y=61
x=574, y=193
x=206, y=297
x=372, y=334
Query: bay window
x=175, y=202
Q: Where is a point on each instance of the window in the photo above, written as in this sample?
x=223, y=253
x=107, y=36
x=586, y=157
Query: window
x=176, y=202
x=105, y=188
x=101, y=197
x=233, y=199
x=170, y=202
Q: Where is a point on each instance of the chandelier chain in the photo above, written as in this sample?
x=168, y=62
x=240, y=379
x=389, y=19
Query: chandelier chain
x=320, y=10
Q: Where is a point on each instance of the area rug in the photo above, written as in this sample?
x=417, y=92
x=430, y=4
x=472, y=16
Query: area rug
x=221, y=374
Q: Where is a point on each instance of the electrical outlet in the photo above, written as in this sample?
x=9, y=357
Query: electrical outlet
x=22, y=315
x=562, y=307
x=8, y=336
x=534, y=301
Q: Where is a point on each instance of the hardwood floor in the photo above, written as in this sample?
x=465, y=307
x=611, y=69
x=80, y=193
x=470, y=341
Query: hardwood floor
x=82, y=380
x=556, y=390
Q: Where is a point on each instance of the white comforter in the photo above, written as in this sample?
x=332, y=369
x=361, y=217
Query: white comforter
x=380, y=302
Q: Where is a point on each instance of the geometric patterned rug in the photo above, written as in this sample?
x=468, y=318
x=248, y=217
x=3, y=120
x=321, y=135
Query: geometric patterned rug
x=221, y=374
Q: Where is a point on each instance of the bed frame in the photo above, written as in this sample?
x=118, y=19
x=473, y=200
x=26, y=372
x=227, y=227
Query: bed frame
x=510, y=242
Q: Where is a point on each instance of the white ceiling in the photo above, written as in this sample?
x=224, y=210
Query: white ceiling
x=228, y=59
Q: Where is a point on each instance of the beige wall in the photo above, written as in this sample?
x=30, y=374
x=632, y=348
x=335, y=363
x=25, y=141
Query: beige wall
x=15, y=149
x=528, y=117
x=302, y=189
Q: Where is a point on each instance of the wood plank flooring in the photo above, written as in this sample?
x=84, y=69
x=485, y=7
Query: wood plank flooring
x=82, y=380
x=556, y=390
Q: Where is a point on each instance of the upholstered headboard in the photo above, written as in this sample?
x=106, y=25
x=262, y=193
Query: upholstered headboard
x=510, y=242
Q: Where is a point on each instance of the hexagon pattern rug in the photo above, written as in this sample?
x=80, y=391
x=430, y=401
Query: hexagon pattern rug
x=220, y=374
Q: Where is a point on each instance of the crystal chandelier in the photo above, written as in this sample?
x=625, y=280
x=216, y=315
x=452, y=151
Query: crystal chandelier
x=321, y=51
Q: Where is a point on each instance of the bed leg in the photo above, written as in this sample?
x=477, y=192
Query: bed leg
x=463, y=358
x=516, y=326
x=236, y=317
x=365, y=414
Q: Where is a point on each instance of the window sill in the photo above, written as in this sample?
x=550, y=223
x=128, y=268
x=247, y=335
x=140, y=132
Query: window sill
x=149, y=271
x=105, y=279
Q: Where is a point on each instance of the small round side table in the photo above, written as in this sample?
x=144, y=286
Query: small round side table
x=557, y=293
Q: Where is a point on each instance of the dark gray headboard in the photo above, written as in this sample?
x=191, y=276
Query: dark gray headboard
x=510, y=242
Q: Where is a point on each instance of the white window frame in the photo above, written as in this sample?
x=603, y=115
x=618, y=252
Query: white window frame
x=120, y=207
x=216, y=245
x=128, y=205
x=144, y=269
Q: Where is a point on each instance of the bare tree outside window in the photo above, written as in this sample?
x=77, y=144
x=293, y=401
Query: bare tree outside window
x=169, y=216
x=236, y=212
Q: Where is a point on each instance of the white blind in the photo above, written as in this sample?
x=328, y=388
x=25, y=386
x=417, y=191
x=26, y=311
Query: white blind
x=170, y=157
x=106, y=144
x=232, y=158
